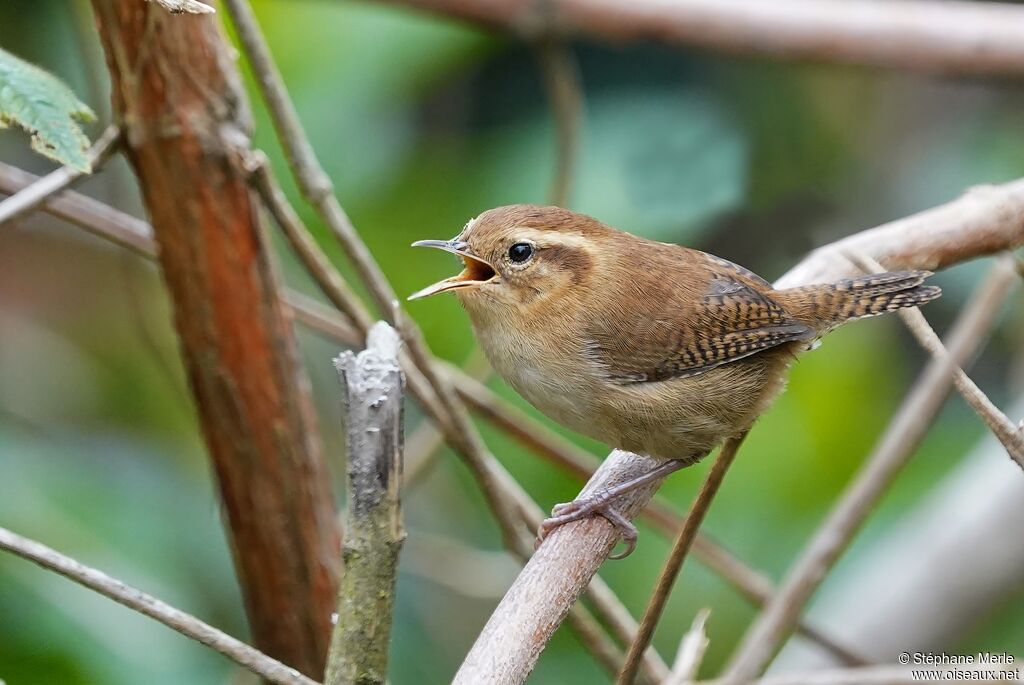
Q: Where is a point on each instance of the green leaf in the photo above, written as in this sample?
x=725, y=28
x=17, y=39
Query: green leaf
x=44, y=106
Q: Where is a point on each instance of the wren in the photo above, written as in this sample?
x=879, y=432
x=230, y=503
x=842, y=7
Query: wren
x=646, y=346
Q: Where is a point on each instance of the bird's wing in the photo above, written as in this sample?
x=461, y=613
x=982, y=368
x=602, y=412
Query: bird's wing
x=691, y=328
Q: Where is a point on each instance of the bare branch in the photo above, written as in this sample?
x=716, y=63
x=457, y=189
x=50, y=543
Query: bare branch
x=691, y=651
x=983, y=221
x=372, y=384
x=94, y=217
x=60, y=179
x=674, y=562
x=892, y=452
x=1011, y=437
x=136, y=600
x=922, y=35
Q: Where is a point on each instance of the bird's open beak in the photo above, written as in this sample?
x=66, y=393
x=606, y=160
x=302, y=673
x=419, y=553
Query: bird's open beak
x=477, y=271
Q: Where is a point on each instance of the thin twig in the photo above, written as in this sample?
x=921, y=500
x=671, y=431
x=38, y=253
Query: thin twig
x=372, y=390
x=94, y=217
x=59, y=179
x=1001, y=426
x=925, y=35
x=427, y=440
x=893, y=450
x=691, y=651
x=565, y=99
x=674, y=562
x=189, y=626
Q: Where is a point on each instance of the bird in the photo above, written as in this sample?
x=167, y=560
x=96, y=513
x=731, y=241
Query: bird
x=649, y=347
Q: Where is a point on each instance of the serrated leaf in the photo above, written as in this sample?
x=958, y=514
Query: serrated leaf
x=46, y=108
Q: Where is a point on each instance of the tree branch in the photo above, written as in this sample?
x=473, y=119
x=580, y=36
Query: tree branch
x=372, y=384
x=921, y=35
x=136, y=600
x=894, y=449
x=60, y=179
x=527, y=616
x=177, y=94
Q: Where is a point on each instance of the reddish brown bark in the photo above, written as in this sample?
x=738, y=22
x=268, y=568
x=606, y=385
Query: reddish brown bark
x=176, y=91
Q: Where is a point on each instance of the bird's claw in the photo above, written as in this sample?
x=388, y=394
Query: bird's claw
x=583, y=508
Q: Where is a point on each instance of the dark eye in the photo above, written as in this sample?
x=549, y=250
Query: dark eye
x=520, y=252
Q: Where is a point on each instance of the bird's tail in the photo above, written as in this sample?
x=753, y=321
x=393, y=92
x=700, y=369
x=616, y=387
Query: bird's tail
x=826, y=306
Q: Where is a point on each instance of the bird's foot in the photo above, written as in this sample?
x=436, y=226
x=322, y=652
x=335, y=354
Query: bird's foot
x=596, y=504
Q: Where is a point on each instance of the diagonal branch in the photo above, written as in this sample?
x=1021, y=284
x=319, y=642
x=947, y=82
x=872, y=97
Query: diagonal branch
x=137, y=600
x=680, y=548
x=953, y=37
x=894, y=449
x=60, y=179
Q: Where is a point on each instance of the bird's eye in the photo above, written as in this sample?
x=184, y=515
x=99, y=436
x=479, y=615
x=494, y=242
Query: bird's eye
x=520, y=252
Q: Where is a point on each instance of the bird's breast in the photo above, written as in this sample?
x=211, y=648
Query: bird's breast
x=546, y=365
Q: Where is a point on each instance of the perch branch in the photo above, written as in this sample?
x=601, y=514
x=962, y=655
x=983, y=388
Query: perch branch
x=892, y=452
x=674, y=562
x=372, y=391
x=136, y=600
x=922, y=35
x=524, y=620
x=59, y=179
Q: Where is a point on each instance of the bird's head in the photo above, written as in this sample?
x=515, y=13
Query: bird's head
x=521, y=256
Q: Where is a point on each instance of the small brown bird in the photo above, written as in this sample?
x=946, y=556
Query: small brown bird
x=649, y=347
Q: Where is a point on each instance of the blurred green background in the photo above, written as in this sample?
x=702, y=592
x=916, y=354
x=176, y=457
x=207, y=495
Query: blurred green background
x=424, y=123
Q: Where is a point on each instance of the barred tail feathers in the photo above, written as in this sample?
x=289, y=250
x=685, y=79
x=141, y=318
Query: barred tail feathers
x=828, y=305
